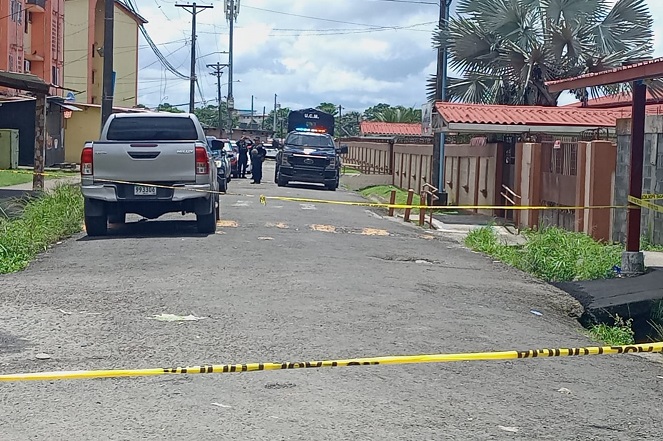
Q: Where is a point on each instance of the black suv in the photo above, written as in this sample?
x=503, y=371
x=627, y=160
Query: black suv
x=309, y=157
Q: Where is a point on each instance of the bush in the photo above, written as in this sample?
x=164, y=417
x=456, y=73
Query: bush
x=619, y=334
x=552, y=254
x=55, y=215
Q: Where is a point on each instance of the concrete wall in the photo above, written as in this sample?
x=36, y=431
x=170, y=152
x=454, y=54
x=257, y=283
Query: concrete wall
x=84, y=30
x=652, y=223
x=82, y=126
x=77, y=47
x=125, y=59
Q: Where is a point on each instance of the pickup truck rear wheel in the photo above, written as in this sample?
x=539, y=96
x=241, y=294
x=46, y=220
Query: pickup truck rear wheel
x=96, y=225
x=206, y=223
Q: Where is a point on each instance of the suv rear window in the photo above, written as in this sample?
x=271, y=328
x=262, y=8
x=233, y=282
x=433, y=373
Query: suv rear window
x=152, y=128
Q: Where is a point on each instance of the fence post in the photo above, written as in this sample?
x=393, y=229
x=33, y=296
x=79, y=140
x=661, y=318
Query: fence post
x=422, y=212
x=410, y=195
x=392, y=201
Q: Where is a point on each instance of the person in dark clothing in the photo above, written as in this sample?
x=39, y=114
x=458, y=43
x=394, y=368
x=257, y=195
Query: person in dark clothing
x=258, y=154
x=243, y=159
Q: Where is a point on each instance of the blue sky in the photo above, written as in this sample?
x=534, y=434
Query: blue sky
x=355, y=53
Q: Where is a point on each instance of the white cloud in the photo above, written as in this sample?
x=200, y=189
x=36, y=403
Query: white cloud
x=353, y=54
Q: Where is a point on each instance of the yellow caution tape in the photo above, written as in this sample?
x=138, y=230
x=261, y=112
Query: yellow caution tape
x=371, y=361
x=441, y=207
x=645, y=204
x=652, y=196
x=263, y=199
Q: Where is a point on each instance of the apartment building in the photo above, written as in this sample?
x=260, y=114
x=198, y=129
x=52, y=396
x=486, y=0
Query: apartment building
x=84, y=49
x=31, y=40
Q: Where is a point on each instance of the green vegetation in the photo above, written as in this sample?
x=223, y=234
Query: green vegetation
x=618, y=334
x=552, y=254
x=646, y=245
x=383, y=192
x=10, y=177
x=505, y=51
x=347, y=170
x=45, y=220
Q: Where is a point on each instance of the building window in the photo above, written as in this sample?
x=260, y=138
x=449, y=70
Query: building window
x=56, y=76
x=27, y=21
x=93, y=75
x=26, y=66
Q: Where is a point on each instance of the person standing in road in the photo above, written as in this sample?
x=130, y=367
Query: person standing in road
x=258, y=154
x=243, y=159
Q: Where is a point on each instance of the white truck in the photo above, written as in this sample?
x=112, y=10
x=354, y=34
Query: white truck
x=149, y=164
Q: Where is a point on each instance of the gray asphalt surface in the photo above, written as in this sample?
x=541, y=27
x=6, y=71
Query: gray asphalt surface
x=272, y=288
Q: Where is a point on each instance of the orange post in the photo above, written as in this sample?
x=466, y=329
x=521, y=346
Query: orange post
x=392, y=201
x=410, y=196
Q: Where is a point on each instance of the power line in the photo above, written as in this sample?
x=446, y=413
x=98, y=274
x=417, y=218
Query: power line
x=194, y=12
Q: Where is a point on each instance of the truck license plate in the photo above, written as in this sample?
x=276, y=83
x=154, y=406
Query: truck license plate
x=143, y=190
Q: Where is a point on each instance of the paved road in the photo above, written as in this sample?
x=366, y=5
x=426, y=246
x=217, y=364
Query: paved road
x=272, y=288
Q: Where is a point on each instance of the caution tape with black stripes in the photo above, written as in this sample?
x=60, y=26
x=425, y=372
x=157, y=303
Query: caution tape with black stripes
x=369, y=361
x=264, y=199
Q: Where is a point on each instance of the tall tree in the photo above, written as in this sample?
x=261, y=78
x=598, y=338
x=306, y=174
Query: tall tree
x=329, y=108
x=399, y=114
x=166, y=107
x=281, y=121
x=209, y=115
x=371, y=112
x=348, y=124
x=507, y=49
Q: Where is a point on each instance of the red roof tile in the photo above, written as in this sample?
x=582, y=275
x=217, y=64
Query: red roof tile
x=389, y=128
x=614, y=101
x=648, y=69
x=616, y=69
x=526, y=115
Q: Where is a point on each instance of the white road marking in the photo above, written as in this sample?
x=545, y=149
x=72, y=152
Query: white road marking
x=307, y=207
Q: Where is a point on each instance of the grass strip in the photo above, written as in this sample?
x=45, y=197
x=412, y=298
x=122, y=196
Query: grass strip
x=53, y=216
x=551, y=254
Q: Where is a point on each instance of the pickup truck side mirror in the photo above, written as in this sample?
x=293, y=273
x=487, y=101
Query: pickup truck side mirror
x=343, y=150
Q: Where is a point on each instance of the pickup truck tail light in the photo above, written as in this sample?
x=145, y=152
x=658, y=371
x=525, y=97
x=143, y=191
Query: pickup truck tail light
x=202, y=160
x=87, y=157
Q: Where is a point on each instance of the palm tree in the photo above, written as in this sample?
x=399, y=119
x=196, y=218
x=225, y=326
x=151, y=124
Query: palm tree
x=508, y=49
x=399, y=114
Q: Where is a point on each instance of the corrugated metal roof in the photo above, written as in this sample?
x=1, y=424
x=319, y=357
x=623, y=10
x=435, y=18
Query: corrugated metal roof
x=389, y=128
x=526, y=115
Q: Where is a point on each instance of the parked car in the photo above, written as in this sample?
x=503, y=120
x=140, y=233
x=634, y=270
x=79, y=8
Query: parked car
x=271, y=148
x=222, y=161
x=149, y=164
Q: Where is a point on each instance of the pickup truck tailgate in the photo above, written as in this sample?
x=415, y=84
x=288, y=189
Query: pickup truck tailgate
x=159, y=161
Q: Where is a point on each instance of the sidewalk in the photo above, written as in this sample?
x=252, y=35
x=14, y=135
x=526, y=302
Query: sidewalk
x=49, y=184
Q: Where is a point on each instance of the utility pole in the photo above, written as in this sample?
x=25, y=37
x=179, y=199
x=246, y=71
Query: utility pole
x=194, y=11
x=218, y=72
x=251, y=125
x=340, y=114
x=262, y=123
x=275, y=112
x=441, y=95
x=107, y=94
x=231, y=9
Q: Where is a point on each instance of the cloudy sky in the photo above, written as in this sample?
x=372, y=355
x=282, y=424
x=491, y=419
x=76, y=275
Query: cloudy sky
x=355, y=53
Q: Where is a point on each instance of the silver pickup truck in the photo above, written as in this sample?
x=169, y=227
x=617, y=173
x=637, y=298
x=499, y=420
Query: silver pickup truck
x=149, y=164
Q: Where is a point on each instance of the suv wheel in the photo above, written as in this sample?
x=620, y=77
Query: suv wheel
x=96, y=225
x=281, y=182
